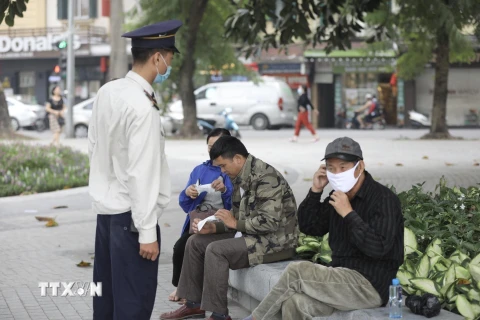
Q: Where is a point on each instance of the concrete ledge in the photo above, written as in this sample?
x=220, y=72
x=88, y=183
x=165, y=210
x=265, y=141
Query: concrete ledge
x=251, y=285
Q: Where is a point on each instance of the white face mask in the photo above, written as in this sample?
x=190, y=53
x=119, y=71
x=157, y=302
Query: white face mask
x=300, y=90
x=343, y=181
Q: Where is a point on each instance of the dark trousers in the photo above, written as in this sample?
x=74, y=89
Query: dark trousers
x=206, y=264
x=129, y=282
x=177, y=258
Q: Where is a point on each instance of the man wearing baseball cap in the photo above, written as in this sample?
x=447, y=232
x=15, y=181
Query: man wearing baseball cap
x=365, y=225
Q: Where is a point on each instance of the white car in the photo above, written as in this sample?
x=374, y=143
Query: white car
x=24, y=115
x=82, y=113
x=268, y=104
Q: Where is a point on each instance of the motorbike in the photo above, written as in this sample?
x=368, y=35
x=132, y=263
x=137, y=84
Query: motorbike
x=230, y=124
x=377, y=122
x=418, y=120
x=206, y=126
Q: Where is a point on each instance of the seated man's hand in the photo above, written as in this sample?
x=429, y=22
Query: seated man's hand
x=192, y=192
x=207, y=228
x=219, y=186
x=341, y=203
x=227, y=218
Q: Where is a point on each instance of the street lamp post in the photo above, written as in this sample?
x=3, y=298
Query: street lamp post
x=70, y=71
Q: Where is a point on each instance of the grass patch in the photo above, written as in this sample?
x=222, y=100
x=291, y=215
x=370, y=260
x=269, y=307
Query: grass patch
x=27, y=169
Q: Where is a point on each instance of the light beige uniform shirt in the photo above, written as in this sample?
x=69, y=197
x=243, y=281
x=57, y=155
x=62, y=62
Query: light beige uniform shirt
x=128, y=167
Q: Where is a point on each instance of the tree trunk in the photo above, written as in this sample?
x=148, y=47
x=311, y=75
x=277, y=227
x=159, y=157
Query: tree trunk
x=187, y=69
x=439, y=129
x=118, y=56
x=5, y=123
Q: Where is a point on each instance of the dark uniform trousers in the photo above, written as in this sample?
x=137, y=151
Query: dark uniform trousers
x=129, y=282
x=206, y=264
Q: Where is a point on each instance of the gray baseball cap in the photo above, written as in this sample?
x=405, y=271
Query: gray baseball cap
x=344, y=148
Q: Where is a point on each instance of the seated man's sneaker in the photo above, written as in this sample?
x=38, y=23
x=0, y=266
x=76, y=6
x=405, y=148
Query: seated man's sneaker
x=184, y=313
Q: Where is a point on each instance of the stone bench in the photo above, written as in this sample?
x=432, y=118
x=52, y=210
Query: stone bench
x=249, y=286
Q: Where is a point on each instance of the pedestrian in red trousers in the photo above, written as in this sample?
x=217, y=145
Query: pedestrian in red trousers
x=302, y=118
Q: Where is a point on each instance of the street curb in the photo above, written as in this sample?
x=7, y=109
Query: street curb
x=44, y=195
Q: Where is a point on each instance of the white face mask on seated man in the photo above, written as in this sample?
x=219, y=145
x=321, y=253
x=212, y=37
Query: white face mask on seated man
x=343, y=181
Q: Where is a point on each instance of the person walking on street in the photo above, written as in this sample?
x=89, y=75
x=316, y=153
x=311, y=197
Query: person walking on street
x=56, y=108
x=129, y=178
x=302, y=117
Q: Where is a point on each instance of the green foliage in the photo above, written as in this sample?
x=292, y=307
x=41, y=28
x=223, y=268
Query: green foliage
x=315, y=248
x=455, y=280
x=336, y=22
x=28, y=169
x=212, y=52
x=417, y=25
x=449, y=214
x=9, y=9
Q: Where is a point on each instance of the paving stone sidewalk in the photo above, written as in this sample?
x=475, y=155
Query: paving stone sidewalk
x=31, y=253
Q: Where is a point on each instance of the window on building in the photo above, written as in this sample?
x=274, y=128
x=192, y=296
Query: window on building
x=81, y=9
x=27, y=83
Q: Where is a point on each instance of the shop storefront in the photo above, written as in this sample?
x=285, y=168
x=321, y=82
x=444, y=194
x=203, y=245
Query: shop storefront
x=343, y=78
x=28, y=58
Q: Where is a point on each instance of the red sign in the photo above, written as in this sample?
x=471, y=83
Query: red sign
x=106, y=8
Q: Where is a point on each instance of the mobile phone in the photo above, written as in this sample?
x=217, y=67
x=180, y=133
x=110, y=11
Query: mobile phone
x=132, y=227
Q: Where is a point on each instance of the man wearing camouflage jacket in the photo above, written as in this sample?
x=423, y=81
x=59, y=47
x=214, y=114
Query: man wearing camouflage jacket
x=261, y=228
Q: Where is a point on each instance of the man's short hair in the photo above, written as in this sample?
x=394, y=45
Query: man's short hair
x=227, y=147
x=141, y=55
x=218, y=132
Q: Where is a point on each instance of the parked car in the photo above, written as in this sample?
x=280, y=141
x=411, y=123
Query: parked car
x=82, y=113
x=28, y=116
x=265, y=105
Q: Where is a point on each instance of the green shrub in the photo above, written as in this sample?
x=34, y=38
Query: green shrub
x=28, y=169
x=454, y=280
x=449, y=214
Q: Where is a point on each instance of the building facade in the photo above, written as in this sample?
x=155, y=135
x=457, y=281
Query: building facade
x=29, y=54
x=340, y=81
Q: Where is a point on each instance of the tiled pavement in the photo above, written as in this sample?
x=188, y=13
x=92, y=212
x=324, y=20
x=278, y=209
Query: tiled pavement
x=31, y=253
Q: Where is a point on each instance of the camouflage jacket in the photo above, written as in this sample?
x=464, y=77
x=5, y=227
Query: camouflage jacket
x=265, y=207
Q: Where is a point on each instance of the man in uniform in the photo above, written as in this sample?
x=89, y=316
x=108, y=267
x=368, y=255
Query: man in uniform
x=261, y=228
x=129, y=178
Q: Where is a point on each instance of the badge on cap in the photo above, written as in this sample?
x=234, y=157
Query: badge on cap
x=159, y=35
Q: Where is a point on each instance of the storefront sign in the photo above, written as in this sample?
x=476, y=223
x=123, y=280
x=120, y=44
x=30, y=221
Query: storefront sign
x=362, y=69
x=33, y=44
x=275, y=68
